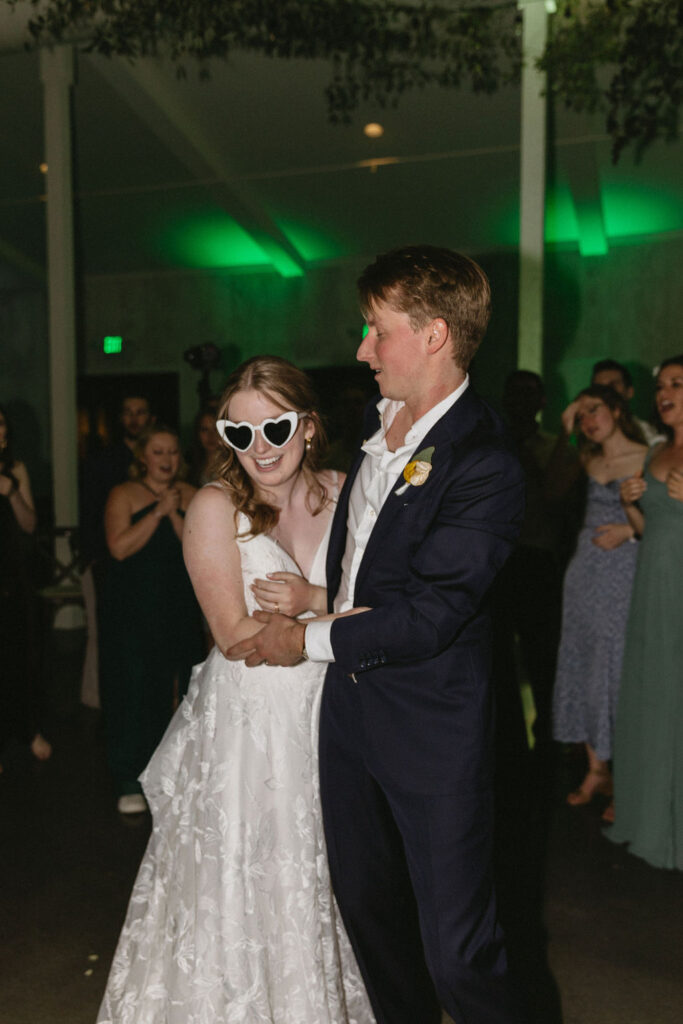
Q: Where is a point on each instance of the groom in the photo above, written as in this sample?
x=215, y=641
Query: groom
x=426, y=519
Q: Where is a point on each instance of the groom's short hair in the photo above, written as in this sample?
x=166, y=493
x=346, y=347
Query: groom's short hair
x=425, y=282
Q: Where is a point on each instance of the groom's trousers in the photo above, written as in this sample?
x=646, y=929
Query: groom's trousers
x=412, y=875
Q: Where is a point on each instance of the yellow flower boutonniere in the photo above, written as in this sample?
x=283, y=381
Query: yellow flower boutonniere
x=417, y=470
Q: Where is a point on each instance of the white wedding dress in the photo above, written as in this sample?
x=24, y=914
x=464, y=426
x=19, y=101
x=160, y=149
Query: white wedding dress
x=232, y=918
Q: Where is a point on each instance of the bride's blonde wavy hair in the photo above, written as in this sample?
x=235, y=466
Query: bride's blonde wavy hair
x=290, y=389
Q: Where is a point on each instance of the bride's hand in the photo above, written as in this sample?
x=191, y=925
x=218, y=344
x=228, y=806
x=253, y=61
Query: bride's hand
x=286, y=593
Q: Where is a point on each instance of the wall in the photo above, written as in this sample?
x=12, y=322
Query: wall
x=313, y=320
x=627, y=305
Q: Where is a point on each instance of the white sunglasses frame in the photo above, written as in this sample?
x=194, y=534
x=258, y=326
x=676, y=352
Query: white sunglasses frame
x=222, y=424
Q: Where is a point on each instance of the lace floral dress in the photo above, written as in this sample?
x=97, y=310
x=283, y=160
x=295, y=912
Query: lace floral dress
x=232, y=918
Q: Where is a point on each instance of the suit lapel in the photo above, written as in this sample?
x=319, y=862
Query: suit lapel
x=446, y=435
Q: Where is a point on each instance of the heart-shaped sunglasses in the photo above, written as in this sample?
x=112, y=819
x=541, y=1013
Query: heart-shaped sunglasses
x=277, y=432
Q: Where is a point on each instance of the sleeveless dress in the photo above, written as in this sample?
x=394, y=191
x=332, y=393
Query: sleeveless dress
x=232, y=918
x=20, y=689
x=150, y=634
x=648, y=749
x=595, y=602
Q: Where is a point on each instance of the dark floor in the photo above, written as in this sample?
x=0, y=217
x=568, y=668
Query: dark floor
x=67, y=863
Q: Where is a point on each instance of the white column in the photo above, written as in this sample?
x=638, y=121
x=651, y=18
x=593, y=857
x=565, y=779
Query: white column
x=532, y=186
x=57, y=74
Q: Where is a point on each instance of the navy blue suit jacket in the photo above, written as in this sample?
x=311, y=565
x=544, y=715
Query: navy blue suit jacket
x=421, y=656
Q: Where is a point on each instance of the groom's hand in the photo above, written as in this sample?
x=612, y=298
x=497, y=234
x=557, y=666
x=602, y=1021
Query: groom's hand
x=280, y=642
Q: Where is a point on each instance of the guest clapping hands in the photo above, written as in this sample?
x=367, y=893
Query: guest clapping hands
x=149, y=621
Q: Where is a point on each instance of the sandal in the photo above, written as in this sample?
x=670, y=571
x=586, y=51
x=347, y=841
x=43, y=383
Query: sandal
x=595, y=782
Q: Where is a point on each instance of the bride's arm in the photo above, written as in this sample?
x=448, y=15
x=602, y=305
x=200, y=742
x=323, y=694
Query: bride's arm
x=213, y=561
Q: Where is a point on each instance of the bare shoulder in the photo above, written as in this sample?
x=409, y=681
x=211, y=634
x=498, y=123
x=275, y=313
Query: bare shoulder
x=123, y=494
x=20, y=471
x=211, y=506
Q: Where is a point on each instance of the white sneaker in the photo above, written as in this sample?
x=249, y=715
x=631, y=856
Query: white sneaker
x=132, y=803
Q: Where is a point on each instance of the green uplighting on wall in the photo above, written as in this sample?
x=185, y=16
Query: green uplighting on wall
x=635, y=210
x=285, y=265
x=211, y=240
x=625, y=211
x=364, y=331
x=112, y=345
x=314, y=245
x=561, y=224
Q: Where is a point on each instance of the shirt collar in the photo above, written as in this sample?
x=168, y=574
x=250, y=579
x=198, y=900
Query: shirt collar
x=387, y=409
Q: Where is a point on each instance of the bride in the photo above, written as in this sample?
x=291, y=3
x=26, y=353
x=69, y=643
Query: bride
x=232, y=918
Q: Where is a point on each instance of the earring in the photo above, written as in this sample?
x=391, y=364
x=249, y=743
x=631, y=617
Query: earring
x=309, y=444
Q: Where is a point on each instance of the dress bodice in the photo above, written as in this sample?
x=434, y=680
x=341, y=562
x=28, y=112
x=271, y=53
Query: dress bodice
x=660, y=510
x=603, y=504
x=263, y=554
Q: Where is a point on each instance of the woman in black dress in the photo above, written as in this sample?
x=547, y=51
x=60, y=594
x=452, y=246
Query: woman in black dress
x=149, y=622
x=20, y=710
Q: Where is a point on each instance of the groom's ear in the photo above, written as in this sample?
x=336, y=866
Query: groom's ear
x=438, y=335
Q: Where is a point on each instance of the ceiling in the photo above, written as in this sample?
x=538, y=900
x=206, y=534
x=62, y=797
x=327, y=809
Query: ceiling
x=245, y=171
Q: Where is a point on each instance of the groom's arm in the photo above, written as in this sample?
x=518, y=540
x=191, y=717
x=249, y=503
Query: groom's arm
x=449, y=574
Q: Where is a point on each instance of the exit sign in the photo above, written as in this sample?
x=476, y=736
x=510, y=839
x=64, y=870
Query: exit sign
x=112, y=344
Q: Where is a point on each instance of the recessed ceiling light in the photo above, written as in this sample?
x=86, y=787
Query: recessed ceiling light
x=373, y=130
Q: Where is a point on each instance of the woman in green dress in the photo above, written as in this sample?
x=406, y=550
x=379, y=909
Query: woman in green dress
x=149, y=623
x=648, y=747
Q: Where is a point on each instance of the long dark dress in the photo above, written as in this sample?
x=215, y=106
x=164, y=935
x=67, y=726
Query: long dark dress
x=20, y=710
x=150, y=632
x=648, y=745
x=595, y=602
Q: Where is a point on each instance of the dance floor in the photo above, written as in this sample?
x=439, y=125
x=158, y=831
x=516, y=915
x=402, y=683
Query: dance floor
x=67, y=861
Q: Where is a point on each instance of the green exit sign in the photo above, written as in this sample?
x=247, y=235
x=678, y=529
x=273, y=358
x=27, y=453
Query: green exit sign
x=112, y=344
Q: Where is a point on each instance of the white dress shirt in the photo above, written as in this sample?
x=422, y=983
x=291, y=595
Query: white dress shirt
x=379, y=472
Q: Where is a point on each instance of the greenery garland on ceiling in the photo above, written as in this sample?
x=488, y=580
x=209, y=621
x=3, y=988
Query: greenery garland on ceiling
x=622, y=57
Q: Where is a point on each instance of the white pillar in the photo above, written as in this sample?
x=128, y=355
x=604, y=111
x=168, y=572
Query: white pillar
x=532, y=186
x=57, y=74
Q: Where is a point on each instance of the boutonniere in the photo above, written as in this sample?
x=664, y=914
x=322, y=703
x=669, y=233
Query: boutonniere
x=417, y=470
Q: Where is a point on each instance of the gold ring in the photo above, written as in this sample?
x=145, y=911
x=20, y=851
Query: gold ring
x=277, y=607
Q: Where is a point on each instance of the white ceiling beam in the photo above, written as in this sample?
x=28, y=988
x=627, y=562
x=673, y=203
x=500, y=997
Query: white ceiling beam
x=156, y=101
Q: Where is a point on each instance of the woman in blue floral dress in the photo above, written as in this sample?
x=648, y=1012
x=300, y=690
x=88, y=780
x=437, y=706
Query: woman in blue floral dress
x=597, y=586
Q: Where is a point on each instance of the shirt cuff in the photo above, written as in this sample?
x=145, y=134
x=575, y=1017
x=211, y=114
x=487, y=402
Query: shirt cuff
x=318, y=641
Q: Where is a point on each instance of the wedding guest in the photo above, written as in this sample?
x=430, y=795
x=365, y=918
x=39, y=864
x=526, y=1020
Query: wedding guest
x=597, y=585
x=648, y=768
x=205, y=442
x=149, y=624
x=611, y=374
x=20, y=704
x=102, y=471
x=527, y=595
